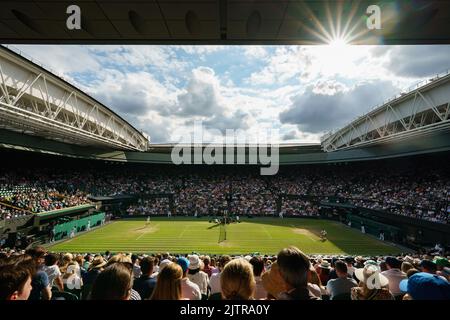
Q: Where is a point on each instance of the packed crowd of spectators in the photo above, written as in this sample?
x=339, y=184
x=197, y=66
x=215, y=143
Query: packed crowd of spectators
x=291, y=275
x=415, y=192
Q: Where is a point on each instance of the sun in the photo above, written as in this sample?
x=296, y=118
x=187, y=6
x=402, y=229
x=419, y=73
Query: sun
x=338, y=43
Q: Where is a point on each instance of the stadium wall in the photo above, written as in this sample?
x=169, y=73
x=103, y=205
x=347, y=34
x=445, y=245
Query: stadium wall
x=431, y=143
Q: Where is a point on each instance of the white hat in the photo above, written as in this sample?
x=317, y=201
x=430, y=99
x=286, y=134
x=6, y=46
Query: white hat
x=372, y=274
x=194, y=262
x=248, y=258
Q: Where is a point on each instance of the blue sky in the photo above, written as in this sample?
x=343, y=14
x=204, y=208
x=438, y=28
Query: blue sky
x=299, y=91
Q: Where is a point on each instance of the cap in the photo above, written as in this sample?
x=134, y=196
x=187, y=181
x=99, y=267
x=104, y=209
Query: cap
x=184, y=263
x=426, y=286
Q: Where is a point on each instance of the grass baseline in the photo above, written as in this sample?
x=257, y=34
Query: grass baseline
x=251, y=235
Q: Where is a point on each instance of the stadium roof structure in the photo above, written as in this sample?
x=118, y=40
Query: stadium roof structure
x=34, y=101
x=419, y=110
x=225, y=21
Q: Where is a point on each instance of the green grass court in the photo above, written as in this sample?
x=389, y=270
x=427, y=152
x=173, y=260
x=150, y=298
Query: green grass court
x=262, y=235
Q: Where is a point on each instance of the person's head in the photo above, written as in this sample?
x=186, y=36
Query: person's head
x=206, y=261
x=184, y=264
x=382, y=265
x=38, y=254
x=441, y=263
x=411, y=271
x=393, y=263
x=147, y=265
x=113, y=283
x=51, y=259
x=223, y=260
x=349, y=261
x=294, y=267
x=120, y=257
x=406, y=266
x=258, y=266
x=194, y=264
x=428, y=266
x=237, y=280
x=168, y=284
x=15, y=278
x=341, y=269
x=426, y=286
x=98, y=263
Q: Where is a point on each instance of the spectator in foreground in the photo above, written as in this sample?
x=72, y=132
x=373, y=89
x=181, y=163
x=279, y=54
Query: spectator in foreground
x=314, y=284
x=258, y=268
x=373, y=285
x=425, y=286
x=342, y=285
x=168, y=285
x=15, y=278
x=197, y=276
x=95, y=268
x=40, y=283
x=53, y=272
x=113, y=283
x=394, y=275
x=237, y=280
x=207, y=268
x=214, y=282
x=190, y=290
x=294, y=267
x=146, y=283
x=428, y=266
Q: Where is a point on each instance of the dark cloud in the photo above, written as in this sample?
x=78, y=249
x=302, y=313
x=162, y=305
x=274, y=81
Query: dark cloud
x=291, y=135
x=238, y=120
x=316, y=112
x=419, y=61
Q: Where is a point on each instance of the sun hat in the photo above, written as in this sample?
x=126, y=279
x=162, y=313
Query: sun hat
x=325, y=265
x=426, y=286
x=194, y=262
x=371, y=275
x=372, y=262
x=97, y=263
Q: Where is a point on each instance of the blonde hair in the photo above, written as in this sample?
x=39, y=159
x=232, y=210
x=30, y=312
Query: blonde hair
x=237, y=280
x=168, y=285
x=120, y=257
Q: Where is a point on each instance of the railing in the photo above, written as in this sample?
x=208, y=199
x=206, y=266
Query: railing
x=34, y=60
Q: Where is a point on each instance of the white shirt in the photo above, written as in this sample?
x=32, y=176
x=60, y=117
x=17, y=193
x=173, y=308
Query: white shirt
x=200, y=279
x=190, y=290
x=394, y=276
x=214, y=283
x=52, y=272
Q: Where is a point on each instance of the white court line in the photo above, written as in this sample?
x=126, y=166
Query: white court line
x=264, y=228
x=144, y=233
x=184, y=230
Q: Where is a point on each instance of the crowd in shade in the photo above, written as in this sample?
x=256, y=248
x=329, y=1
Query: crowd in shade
x=36, y=274
x=413, y=192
